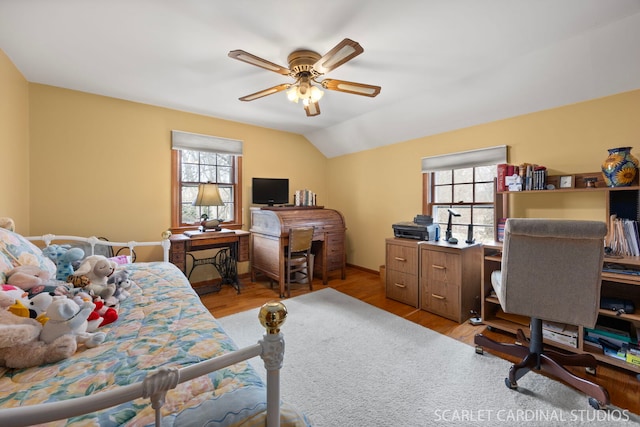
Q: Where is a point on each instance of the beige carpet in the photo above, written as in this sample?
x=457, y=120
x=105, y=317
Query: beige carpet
x=350, y=364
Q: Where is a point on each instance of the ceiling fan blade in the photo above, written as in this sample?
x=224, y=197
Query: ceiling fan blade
x=313, y=109
x=243, y=56
x=266, y=92
x=351, y=87
x=344, y=51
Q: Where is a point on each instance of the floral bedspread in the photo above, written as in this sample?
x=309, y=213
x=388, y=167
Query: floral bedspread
x=162, y=323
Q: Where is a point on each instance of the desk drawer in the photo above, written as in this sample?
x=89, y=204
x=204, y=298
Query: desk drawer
x=402, y=287
x=402, y=258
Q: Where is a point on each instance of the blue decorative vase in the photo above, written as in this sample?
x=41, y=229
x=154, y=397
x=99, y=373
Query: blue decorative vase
x=620, y=168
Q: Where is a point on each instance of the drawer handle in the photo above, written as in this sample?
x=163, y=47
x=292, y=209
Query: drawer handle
x=400, y=259
x=400, y=285
x=439, y=267
x=438, y=297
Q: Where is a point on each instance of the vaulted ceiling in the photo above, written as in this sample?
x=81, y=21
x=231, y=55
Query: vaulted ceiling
x=442, y=64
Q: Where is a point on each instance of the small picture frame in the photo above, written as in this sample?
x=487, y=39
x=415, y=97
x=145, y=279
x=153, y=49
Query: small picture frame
x=566, y=181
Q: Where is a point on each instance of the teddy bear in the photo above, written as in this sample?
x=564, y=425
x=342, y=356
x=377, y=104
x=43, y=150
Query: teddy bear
x=121, y=279
x=33, y=279
x=16, y=300
x=19, y=343
x=102, y=314
x=97, y=269
x=66, y=317
x=63, y=256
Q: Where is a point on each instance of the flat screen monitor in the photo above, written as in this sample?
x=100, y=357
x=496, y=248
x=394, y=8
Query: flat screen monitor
x=270, y=191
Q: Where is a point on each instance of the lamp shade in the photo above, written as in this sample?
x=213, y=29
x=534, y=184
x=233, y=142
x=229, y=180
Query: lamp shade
x=208, y=195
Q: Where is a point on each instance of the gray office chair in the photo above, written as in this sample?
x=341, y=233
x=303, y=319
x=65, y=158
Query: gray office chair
x=551, y=270
x=298, y=261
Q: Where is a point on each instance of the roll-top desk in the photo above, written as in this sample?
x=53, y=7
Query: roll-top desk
x=270, y=235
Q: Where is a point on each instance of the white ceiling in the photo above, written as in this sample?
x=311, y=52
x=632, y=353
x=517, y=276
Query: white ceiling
x=442, y=64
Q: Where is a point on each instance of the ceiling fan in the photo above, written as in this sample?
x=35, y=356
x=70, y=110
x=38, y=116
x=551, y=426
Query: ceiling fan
x=306, y=66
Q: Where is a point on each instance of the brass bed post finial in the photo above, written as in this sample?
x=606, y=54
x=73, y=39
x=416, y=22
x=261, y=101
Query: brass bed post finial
x=272, y=315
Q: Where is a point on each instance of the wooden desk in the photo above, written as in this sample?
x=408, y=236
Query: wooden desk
x=237, y=241
x=270, y=235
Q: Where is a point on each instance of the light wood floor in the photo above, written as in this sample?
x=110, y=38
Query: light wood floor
x=622, y=385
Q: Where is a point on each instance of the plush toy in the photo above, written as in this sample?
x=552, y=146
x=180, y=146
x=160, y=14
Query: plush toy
x=33, y=279
x=63, y=256
x=19, y=344
x=102, y=315
x=7, y=223
x=67, y=317
x=121, y=279
x=97, y=268
x=38, y=305
x=16, y=300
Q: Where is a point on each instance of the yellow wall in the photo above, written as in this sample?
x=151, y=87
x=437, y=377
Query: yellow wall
x=14, y=144
x=570, y=139
x=101, y=166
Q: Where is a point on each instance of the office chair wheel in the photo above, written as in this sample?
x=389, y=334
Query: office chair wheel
x=479, y=350
x=595, y=404
x=510, y=385
x=590, y=371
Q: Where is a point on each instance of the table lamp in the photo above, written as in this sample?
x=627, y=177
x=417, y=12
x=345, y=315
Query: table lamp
x=208, y=195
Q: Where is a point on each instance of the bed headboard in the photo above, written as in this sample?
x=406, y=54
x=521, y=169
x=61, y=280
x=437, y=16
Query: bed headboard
x=95, y=241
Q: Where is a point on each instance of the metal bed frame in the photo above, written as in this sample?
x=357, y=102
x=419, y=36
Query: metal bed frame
x=155, y=386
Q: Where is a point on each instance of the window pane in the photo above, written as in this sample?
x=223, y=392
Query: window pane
x=485, y=173
x=483, y=215
x=190, y=173
x=225, y=175
x=443, y=194
x=483, y=233
x=208, y=158
x=441, y=215
x=442, y=177
x=225, y=160
x=463, y=193
x=465, y=215
x=189, y=156
x=484, y=192
x=463, y=175
x=207, y=174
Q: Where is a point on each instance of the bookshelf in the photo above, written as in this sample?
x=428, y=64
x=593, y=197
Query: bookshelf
x=620, y=201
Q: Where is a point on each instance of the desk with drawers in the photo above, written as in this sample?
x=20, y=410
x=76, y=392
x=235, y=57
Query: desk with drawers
x=270, y=235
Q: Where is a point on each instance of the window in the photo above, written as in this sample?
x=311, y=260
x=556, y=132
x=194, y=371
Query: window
x=469, y=193
x=463, y=183
x=204, y=159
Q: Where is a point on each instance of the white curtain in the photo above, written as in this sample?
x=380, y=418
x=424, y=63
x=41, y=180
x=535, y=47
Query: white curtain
x=197, y=142
x=465, y=159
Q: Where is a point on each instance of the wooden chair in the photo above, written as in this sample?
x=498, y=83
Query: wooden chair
x=551, y=270
x=297, y=262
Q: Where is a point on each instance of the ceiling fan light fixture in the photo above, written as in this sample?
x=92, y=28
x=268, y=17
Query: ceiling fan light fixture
x=316, y=94
x=306, y=92
x=292, y=94
x=306, y=66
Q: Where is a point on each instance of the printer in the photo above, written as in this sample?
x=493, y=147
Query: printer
x=422, y=228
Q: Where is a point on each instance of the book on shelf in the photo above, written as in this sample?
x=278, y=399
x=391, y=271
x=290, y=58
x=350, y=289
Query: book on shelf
x=501, y=176
x=501, y=224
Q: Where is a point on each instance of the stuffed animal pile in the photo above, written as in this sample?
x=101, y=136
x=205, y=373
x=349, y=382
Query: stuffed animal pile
x=45, y=319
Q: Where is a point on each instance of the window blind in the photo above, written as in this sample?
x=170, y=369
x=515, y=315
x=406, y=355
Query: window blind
x=465, y=159
x=197, y=142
